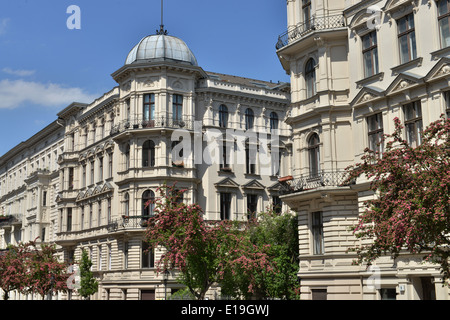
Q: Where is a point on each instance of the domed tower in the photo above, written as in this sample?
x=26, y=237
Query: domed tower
x=157, y=96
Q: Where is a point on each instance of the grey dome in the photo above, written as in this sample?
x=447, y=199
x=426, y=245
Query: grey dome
x=161, y=47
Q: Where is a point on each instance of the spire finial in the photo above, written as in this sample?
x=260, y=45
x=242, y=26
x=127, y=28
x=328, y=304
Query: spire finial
x=161, y=26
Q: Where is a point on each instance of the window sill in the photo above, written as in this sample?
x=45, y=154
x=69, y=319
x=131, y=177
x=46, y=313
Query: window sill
x=376, y=77
x=410, y=64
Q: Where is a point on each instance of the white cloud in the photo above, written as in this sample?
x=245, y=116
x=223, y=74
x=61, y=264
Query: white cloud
x=3, y=25
x=20, y=73
x=16, y=93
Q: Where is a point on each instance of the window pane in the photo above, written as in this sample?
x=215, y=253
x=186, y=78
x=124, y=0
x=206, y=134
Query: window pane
x=445, y=32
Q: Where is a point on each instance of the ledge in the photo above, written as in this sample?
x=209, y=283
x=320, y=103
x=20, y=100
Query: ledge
x=376, y=77
x=410, y=64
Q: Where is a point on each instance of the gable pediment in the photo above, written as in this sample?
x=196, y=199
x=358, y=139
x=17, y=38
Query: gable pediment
x=366, y=95
x=440, y=70
x=403, y=82
x=227, y=183
x=254, y=184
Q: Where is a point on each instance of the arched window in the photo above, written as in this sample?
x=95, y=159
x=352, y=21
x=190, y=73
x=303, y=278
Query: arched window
x=249, y=119
x=314, y=155
x=310, y=78
x=223, y=116
x=148, y=154
x=148, y=203
x=273, y=121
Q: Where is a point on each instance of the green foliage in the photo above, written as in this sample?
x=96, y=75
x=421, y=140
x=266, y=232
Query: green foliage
x=276, y=235
x=88, y=284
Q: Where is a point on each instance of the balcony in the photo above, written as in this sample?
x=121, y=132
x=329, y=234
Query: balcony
x=9, y=220
x=300, y=31
x=139, y=123
x=322, y=179
x=128, y=222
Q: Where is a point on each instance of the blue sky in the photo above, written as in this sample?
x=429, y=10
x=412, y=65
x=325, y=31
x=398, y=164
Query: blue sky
x=44, y=66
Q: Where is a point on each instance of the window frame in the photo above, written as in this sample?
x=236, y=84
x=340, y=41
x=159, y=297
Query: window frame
x=310, y=78
x=414, y=124
x=147, y=195
x=249, y=119
x=274, y=121
x=251, y=214
x=373, y=47
x=377, y=133
x=223, y=116
x=225, y=205
x=148, y=154
x=314, y=155
x=148, y=107
x=177, y=108
x=410, y=35
x=440, y=18
x=318, y=247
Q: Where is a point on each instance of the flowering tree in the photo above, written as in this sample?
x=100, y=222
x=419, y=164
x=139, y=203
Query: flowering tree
x=29, y=269
x=203, y=252
x=46, y=274
x=13, y=270
x=412, y=209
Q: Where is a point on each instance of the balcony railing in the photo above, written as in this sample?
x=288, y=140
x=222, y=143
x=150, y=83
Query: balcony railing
x=128, y=222
x=313, y=181
x=10, y=219
x=186, y=122
x=315, y=24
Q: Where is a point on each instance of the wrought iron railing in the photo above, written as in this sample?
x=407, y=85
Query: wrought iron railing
x=305, y=28
x=186, y=122
x=128, y=222
x=10, y=219
x=313, y=181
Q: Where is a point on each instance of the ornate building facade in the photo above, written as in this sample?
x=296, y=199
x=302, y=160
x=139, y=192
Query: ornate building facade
x=354, y=67
x=83, y=182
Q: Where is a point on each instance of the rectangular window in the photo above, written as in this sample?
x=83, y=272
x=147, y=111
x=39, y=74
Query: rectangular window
x=444, y=22
x=84, y=176
x=110, y=165
x=92, y=172
x=407, y=38
x=100, y=168
x=370, y=54
x=413, y=123
x=125, y=255
x=44, y=198
x=317, y=232
x=375, y=132
x=306, y=8
x=447, y=103
x=177, y=109
x=225, y=206
x=109, y=210
x=149, y=107
x=99, y=214
x=250, y=158
x=148, y=256
x=71, y=170
x=277, y=205
x=252, y=206
x=69, y=219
